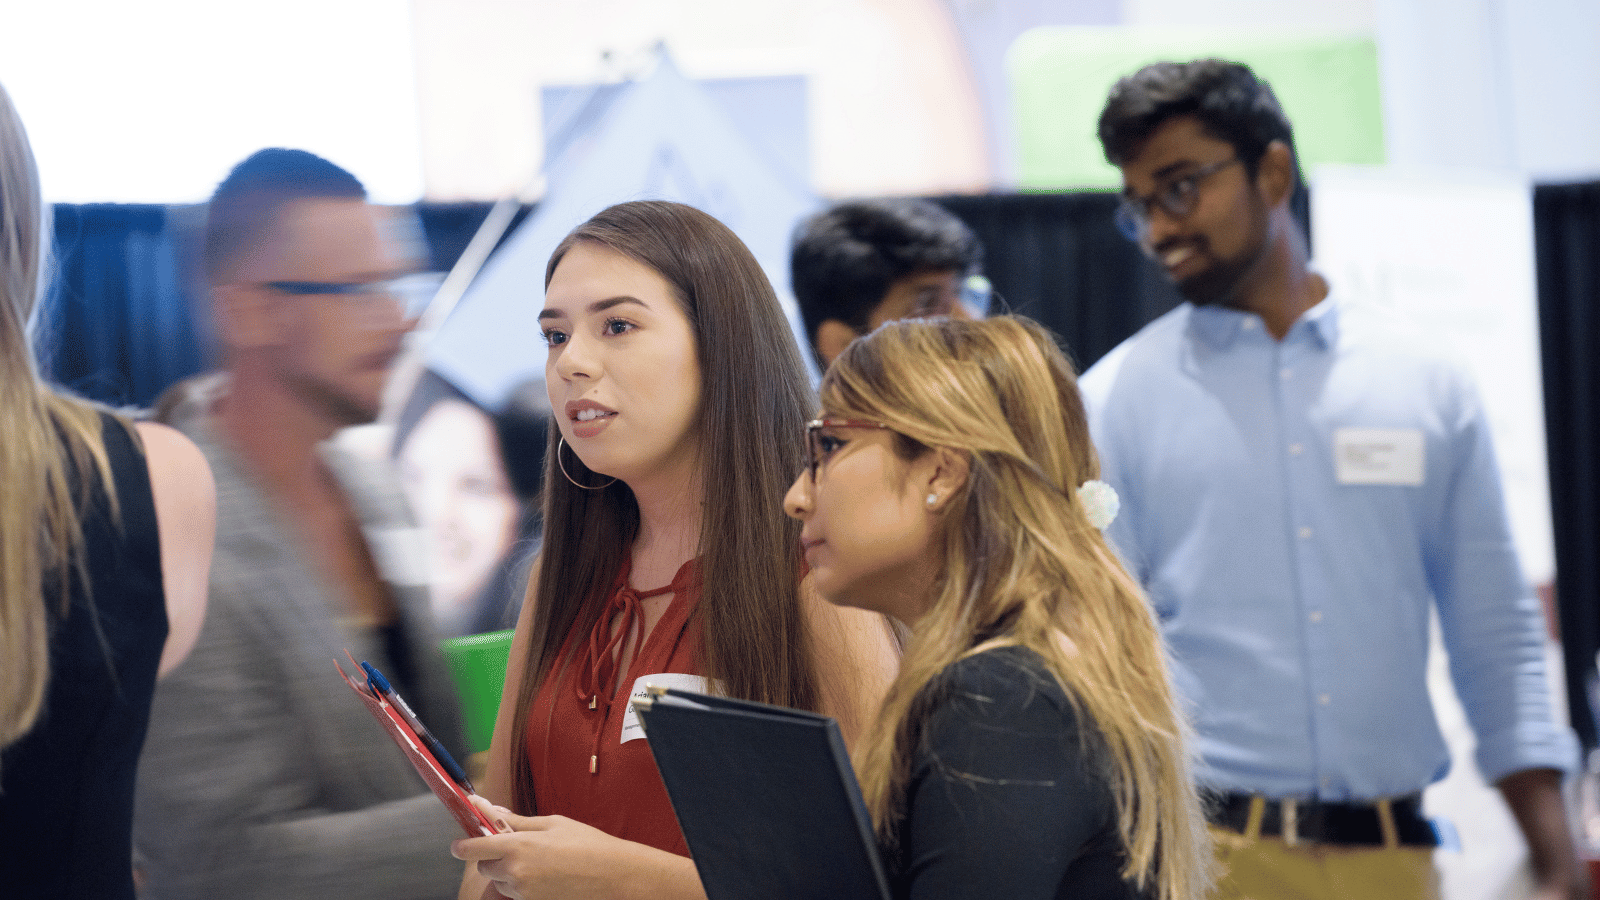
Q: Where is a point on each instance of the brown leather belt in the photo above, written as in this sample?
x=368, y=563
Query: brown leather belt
x=1383, y=823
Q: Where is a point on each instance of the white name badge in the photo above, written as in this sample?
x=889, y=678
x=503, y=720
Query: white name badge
x=1378, y=456
x=631, y=729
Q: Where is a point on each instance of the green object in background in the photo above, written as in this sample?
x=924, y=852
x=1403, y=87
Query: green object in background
x=478, y=665
x=1059, y=77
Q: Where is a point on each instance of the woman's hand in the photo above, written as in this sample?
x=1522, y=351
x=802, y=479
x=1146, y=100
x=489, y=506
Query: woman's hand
x=554, y=856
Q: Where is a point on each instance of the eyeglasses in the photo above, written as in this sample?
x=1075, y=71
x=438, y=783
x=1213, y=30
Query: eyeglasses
x=820, y=446
x=1177, y=197
x=977, y=293
x=384, y=287
x=412, y=292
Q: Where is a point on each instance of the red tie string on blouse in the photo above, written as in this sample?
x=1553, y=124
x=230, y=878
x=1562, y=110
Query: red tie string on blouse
x=599, y=657
x=608, y=642
x=623, y=794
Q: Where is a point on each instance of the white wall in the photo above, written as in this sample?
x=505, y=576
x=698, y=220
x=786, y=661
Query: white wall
x=153, y=102
x=1496, y=84
x=1337, y=15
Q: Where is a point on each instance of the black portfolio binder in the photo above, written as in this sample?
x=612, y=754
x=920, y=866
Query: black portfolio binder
x=766, y=798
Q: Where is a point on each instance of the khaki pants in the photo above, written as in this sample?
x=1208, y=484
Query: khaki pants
x=1268, y=869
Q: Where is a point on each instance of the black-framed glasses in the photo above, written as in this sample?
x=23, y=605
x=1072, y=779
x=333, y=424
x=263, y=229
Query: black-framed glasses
x=411, y=291
x=820, y=446
x=383, y=287
x=1177, y=198
x=976, y=296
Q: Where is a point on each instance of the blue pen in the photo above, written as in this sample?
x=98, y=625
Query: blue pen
x=380, y=684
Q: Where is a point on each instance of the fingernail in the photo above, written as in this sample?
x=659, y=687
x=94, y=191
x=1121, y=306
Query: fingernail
x=502, y=824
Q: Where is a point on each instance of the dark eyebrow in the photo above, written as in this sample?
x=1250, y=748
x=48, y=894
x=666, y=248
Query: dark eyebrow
x=595, y=307
x=1165, y=175
x=1170, y=171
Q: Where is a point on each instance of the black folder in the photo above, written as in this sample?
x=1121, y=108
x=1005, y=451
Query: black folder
x=766, y=798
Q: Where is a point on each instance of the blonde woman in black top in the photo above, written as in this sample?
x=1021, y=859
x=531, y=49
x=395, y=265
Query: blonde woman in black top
x=105, y=541
x=1030, y=746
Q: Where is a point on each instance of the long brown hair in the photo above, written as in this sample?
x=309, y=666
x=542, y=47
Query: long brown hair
x=754, y=400
x=1023, y=566
x=45, y=440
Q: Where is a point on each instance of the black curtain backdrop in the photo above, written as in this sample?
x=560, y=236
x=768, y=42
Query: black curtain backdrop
x=1566, y=229
x=1059, y=259
x=124, y=319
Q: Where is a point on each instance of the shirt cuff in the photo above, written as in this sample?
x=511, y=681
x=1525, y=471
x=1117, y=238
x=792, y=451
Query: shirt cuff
x=1542, y=745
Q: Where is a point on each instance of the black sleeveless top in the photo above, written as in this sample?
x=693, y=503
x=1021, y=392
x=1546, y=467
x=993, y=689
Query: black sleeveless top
x=66, y=788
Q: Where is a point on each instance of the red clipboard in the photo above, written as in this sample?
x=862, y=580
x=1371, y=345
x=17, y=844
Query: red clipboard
x=473, y=822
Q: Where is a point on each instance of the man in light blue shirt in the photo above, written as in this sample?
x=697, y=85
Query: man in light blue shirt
x=1301, y=479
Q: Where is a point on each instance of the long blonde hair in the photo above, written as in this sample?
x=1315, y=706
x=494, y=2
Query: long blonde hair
x=44, y=440
x=1024, y=567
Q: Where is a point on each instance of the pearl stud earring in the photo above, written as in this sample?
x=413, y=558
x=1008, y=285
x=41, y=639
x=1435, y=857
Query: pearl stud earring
x=933, y=500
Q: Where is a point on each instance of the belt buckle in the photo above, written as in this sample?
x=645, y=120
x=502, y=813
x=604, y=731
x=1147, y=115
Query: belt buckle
x=1289, y=811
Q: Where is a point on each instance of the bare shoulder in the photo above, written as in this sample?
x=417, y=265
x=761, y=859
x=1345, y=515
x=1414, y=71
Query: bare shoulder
x=186, y=517
x=180, y=479
x=856, y=657
x=167, y=450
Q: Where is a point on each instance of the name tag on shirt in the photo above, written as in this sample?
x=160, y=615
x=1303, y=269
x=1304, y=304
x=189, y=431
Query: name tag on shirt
x=1378, y=456
x=631, y=729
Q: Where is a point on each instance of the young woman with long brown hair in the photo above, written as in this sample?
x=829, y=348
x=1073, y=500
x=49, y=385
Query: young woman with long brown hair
x=1030, y=746
x=676, y=386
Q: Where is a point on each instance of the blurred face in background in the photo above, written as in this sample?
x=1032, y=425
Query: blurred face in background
x=326, y=318
x=451, y=469
x=928, y=294
x=921, y=295
x=1222, y=238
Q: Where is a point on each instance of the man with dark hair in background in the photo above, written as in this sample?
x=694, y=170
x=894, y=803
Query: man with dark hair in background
x=262, y=775
x=861, y=263
x=1304, y=480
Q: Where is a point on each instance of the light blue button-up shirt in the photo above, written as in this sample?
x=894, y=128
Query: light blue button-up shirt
x=1292, y=509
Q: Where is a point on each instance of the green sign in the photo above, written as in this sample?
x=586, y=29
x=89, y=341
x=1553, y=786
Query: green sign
x=1059, y=78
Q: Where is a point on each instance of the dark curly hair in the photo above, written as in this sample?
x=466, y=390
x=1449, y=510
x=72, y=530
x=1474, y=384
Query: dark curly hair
x=1232, y=104
x=843, y=260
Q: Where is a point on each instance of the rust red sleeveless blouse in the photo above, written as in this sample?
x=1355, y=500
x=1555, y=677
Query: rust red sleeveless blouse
x=581, y=767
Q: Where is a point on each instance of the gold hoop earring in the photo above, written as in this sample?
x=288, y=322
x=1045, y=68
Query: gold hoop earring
x=562, y=442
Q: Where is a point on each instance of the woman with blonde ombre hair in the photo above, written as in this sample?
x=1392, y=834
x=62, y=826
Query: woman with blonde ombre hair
x=1031, y=745
x=105, y=544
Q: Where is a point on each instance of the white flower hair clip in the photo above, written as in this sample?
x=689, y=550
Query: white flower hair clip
x=1100, y=502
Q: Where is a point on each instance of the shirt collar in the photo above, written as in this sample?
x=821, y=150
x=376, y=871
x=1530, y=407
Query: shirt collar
x=1220, y=326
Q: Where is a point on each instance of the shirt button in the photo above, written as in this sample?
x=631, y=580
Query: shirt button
x=1316, y=615
x=1249, y=325
x=1296, y=449
x=1285, y=373
x=1324, y=699
x=1304, y=532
